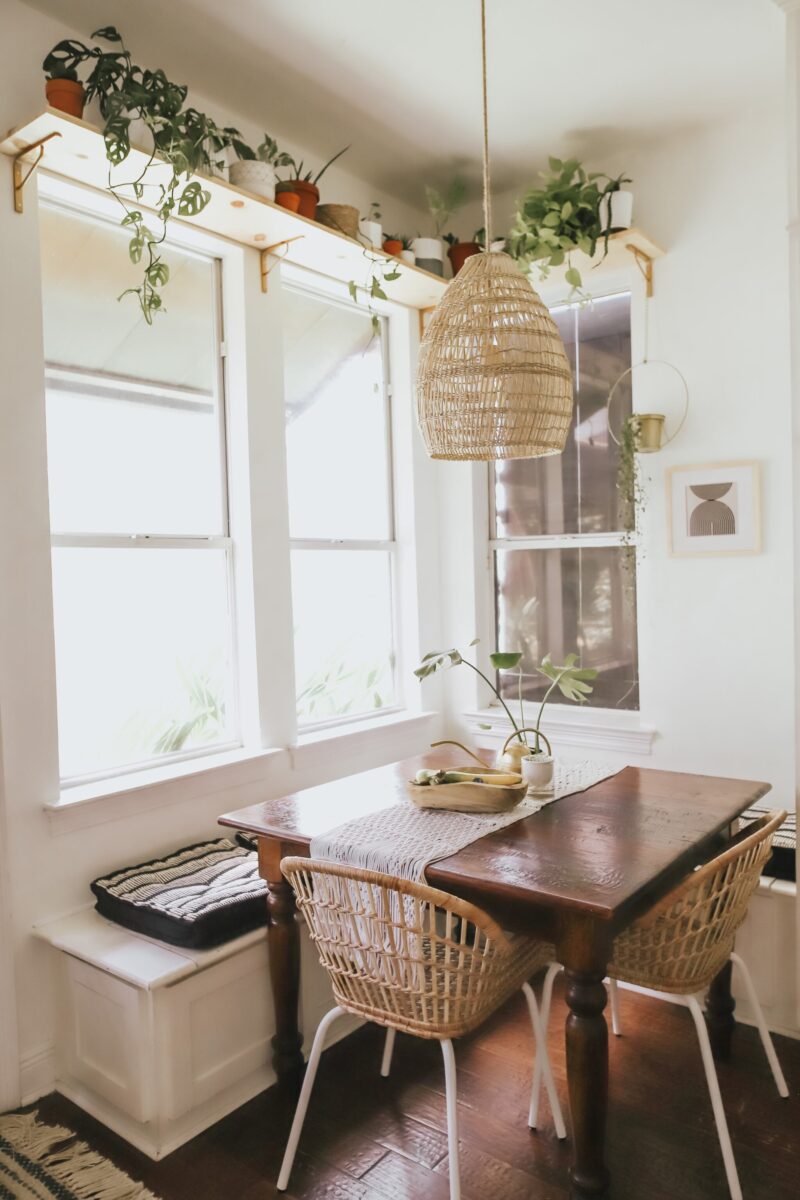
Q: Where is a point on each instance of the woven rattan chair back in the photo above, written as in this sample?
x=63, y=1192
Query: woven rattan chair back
x=686, y=939
x=400, y=953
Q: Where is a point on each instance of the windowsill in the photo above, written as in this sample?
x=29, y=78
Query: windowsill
x=587, y=729
x=399, y=733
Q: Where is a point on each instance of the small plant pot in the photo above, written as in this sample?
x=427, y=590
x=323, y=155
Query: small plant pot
x=254, y=176
x=393, y=246
x=408, y=256
x=290, y=200
x=649, y=432
x=372, y=233
x=429, y=254
x=309, y=197
x=67, y=95
x=460, y=252
x=617, y=212
x=538, y=771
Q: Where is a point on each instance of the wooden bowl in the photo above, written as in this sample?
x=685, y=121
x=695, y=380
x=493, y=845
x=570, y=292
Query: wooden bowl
x=468, y=797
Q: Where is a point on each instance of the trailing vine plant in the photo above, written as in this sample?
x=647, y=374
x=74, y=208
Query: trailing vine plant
x=630, y=486
x=379, y=272
x=184, y=138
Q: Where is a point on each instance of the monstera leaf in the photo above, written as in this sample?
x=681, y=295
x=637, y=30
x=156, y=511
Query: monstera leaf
x=570, y=680
x=502, y=661
x=436, y=660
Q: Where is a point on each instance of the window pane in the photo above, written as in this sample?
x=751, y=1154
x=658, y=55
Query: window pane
x=336, y=422
x=559, y=601
x=133, y=429
x=576, y=492
x=344, y=656
x=143, y=656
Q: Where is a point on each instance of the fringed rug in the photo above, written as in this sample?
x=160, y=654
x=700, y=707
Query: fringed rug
x=40, y=1162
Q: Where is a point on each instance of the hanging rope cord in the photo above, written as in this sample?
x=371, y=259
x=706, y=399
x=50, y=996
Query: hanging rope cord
x=487, y=199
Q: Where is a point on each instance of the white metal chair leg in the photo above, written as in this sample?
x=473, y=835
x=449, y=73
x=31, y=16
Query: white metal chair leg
x=613, y=993
x=452, y=1117
x=542, y=1062
x=716, y=1098
x=536, y=1087
x=305, y=1095
x=766, y=1038
x=388, y=1049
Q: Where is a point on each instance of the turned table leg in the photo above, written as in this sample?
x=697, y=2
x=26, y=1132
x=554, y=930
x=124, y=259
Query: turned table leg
x=584, y=955
x=720, y=1006
x=284, y=964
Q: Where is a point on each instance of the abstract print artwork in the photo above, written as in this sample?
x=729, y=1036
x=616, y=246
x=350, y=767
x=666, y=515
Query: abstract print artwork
x=714, y=509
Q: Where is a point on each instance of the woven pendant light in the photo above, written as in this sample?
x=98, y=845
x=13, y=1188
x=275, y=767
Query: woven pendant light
x=493, y=379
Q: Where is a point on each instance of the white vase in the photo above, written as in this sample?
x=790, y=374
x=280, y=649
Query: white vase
x=617, y=212
x=372, y=233
x=254, y=176
x=408, y=256
x=429, y=254
x=538, y=771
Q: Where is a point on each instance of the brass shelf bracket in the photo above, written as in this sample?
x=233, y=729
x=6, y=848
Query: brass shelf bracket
x=19, y=179
x=645, y=264
x=265, y=270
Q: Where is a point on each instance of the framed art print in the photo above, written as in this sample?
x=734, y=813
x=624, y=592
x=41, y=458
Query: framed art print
x=714, y=509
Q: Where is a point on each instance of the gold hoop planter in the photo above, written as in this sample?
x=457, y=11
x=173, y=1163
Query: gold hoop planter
x=649, y=427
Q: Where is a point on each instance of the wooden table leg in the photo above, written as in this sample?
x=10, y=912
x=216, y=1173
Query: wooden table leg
x=720, y=1006
x=284, y=964
x=584, y=952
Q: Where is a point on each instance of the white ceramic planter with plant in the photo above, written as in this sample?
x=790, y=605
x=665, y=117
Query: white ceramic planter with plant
x=255, y=170
x=429, y=254
x=616, y=210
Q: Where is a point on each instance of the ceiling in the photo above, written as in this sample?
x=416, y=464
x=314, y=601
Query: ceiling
x=401, y=81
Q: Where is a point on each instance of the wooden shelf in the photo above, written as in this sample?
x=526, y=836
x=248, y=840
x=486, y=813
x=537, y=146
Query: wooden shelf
x=78, y=153
x=629, y=247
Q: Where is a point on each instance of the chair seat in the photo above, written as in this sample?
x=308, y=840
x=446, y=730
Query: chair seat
x=643, y=958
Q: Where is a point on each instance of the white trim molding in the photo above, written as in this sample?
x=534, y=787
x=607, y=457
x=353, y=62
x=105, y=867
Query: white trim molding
x=597, y=729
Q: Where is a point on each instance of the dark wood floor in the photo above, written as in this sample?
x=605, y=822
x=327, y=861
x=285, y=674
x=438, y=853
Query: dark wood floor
x=368, y=1138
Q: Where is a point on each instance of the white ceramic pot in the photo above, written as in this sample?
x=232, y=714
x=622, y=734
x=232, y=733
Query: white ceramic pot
x=408, y=256
x=372, y=233
x=538, y=771
x=429, y=254
x=254, y=176
x=617, y=211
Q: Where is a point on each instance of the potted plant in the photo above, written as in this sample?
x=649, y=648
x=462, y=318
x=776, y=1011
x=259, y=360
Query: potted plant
x=255, y=170
x=429, y=252
x=458, y=252
x=538, y=766
x=563, y=215
x=369, y=227
x=393, y=244
x=287, y=197
x=306, y=185
x=64, y=91
x=109, y=69
x=407, y=253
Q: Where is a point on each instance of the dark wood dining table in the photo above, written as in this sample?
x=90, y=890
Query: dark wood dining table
x=575, y=873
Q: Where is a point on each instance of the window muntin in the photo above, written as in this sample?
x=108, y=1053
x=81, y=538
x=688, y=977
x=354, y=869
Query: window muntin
x=564, y=578
x=138, y=499
x=338, y=424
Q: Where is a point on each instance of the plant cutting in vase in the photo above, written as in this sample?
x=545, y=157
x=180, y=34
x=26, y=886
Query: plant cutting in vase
x=306, y=185
x=186, y=139
x=568, y=212
x=255, y=170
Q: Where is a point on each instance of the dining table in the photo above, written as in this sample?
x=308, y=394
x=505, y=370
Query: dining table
x=574, y=873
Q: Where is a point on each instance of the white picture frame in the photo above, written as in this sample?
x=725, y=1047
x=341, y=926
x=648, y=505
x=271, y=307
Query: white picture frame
x=714, y=508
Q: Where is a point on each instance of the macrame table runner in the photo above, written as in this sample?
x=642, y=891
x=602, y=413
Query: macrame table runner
x=403, y=839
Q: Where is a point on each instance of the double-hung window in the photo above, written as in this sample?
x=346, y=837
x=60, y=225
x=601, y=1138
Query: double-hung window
x=563, y=574
x=138, y=510
x=341, y=510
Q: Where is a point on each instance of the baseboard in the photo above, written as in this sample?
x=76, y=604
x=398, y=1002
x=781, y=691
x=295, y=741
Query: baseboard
x=37, y=1073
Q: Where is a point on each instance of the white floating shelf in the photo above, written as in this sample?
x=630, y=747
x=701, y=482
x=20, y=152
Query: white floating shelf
x=78, y=153
x=626, y=249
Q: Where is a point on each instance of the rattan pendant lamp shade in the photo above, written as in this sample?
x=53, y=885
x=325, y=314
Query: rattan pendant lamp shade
x=493, y=380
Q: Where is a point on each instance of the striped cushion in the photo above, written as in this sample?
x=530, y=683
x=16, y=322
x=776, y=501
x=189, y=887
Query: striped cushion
x=196, y=897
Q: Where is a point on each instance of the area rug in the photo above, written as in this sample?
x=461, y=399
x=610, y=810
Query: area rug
x=43, y=1162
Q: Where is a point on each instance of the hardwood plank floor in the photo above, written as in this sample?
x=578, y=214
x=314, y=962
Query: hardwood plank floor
x=368, y=1138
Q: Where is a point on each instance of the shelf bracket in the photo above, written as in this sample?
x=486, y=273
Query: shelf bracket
x=265, y=270
x=645, y=264
x=19, y=179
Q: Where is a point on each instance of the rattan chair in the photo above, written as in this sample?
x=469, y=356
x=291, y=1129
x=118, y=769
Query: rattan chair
x=414, y=959
x=681, y=945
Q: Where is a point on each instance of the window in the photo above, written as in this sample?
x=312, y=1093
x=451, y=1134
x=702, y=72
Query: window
x=338, y=433
x=563, y=576
x=138, y=507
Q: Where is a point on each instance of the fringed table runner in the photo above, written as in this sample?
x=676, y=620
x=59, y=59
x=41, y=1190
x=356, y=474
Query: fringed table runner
x=403, y=839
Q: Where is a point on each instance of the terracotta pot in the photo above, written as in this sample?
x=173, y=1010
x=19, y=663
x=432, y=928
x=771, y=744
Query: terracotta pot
x=67, y=95
x=459, y=254
x=290, y=200
x=309, y=197
x=393, y=246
